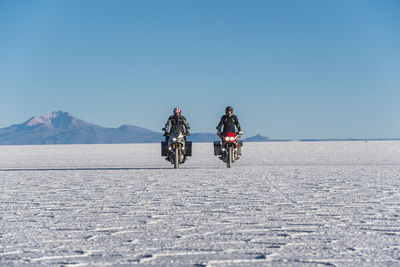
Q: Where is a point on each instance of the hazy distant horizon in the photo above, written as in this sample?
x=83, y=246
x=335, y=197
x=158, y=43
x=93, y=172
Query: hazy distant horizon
x=64, y=120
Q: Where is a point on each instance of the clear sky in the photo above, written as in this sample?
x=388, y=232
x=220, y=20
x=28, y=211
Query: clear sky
x=290, y=69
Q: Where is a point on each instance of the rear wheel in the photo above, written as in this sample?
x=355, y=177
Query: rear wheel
x=176, y=164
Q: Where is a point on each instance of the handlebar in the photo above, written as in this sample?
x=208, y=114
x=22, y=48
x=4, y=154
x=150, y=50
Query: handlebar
x=169, y=134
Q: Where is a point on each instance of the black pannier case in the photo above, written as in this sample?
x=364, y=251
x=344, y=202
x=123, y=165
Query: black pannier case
x=217, y=148
x=188, y=148
x=164, y=148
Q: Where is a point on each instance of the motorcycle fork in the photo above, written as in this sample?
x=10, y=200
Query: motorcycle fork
x=174, y=146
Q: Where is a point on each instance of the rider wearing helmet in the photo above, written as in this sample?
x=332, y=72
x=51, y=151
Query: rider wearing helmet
x=229, y=121
x=176, y=121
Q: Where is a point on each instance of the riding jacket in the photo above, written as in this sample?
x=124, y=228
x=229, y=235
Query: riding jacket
x=177, y=124
x=229, y=123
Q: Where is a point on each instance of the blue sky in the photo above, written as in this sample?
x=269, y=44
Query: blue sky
x=291, y=69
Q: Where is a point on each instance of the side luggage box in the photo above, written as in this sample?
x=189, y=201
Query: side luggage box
x=164, y=148
x=240, y=144
x=188, y=148
x=217, y=148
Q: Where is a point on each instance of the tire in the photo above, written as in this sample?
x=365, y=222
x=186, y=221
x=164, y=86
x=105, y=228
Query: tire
x=229, y=159
x=176, y=163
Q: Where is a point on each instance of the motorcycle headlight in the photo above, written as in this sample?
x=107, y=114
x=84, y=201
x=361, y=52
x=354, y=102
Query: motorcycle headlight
x=174, y=139
x=232, y=138
x=227, y=138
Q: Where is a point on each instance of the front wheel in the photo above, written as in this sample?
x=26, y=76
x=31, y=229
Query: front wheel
x=176, y=164
x=229, y=159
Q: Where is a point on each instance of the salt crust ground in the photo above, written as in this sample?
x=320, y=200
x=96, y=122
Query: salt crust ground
x=297, y=204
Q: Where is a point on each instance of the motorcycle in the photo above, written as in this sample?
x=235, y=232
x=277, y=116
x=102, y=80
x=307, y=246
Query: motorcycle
x=229, y=149
x=177, y=148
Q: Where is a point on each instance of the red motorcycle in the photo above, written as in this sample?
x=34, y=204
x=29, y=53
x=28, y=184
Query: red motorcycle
x=229, y=149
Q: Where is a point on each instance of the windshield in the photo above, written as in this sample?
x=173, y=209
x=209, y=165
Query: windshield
x=177, y=132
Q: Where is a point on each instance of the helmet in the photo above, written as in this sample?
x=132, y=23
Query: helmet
x=177, y=111
x=228, y=108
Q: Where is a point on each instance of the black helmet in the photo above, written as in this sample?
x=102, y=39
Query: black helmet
x=228, y=108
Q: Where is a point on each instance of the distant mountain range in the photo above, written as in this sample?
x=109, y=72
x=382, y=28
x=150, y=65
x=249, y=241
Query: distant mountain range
x=62, y=128
x=260, y=138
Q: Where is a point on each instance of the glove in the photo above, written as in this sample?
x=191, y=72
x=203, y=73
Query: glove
x=240, y=132
x=219, y=133
x=187, y=133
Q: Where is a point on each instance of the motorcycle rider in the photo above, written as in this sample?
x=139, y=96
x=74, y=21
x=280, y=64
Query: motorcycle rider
x=229, y=121
x=176, y=121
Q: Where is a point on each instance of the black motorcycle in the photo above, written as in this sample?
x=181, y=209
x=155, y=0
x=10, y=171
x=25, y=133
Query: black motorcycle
x=177, y=148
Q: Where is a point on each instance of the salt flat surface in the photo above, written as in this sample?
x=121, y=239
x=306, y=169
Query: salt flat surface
x=319, y=203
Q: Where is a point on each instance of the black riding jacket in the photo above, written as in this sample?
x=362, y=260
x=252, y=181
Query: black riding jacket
x=177, y=124
x=229, y=123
